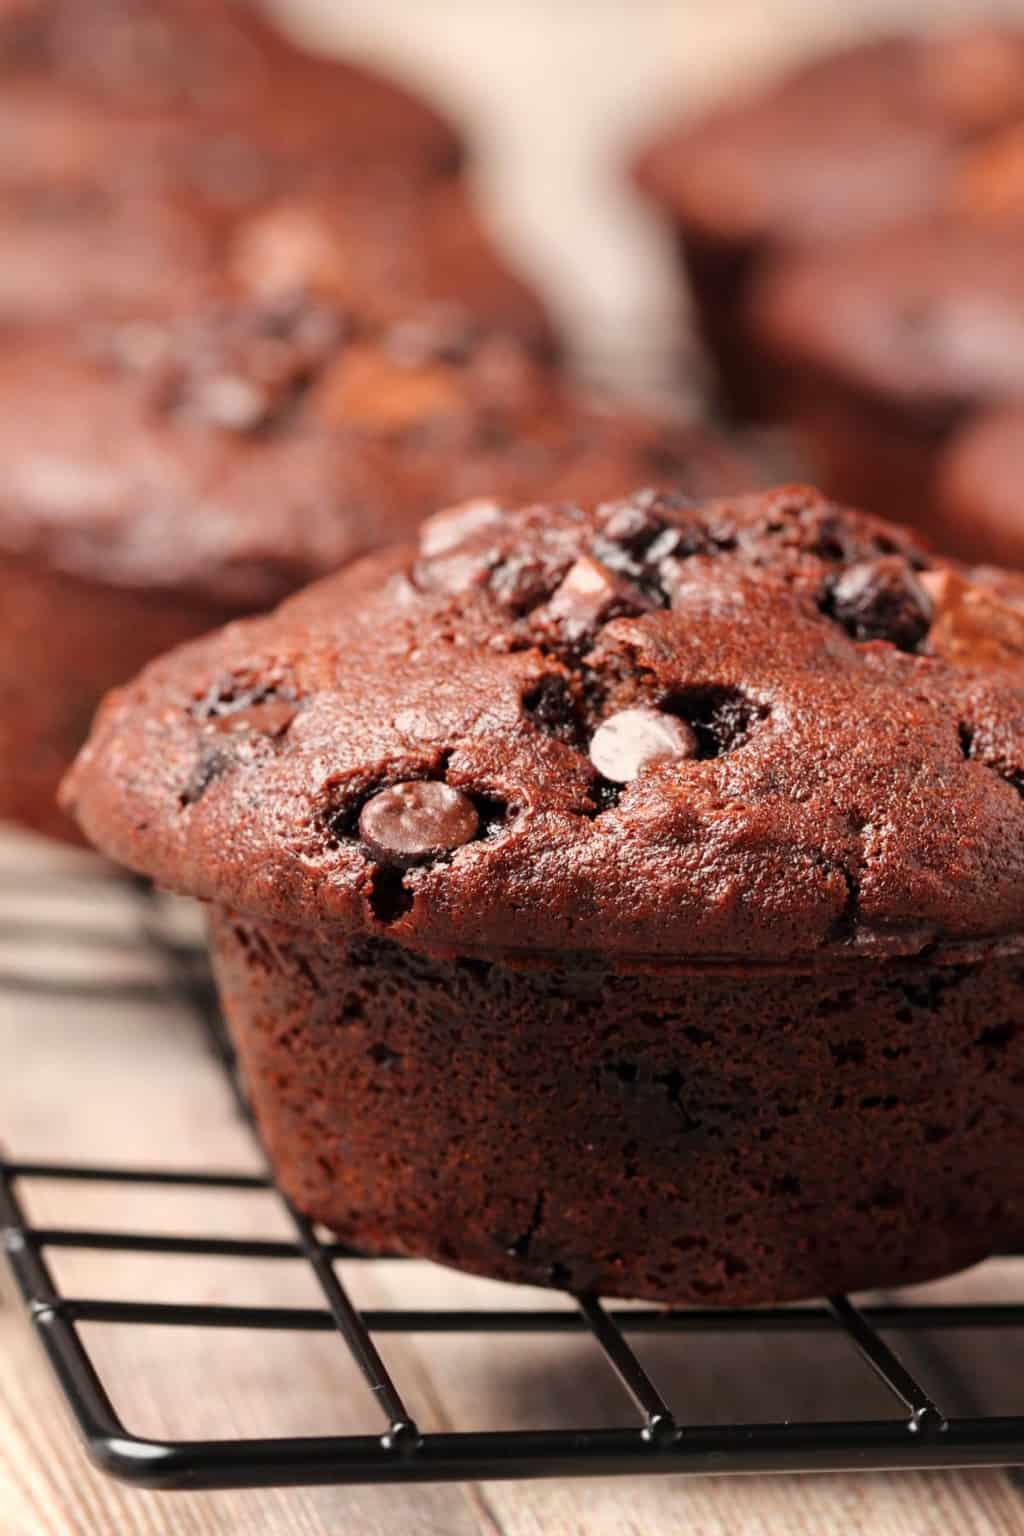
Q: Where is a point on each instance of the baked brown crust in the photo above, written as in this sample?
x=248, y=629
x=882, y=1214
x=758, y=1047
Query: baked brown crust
x=855, y=794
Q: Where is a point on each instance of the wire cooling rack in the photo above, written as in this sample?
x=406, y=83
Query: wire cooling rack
x=917, y=1433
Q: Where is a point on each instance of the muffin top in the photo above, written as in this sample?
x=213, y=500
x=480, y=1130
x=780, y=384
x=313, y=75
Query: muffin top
x=980, y=487
x=222, y=64
x=756, y=730
x=246, y=447
x=139, y=138
x=854, y=140
x=931, y=315
x=77, y=243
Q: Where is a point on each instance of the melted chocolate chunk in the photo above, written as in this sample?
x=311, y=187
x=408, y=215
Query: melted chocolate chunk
x=588, y=596
x=456, y=526
x=883, y=599
x=264, y=717
x=412, y=823
x=232, y=696
x=552, y=706
x=636, y=739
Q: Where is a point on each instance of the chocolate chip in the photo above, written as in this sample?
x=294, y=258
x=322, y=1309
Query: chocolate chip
x=638, y=539
x=264, y=717
x=241, y=734
x=234, y=695
x=647, y=528
x=636, y=739
x=634, y=525
x=239, y=367
x=521, y=582
x=588, y=596
x=882, y=599
x=231, y=401
x=457, y=525
x=411, y=823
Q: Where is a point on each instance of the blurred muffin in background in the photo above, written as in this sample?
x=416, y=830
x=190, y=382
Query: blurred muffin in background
x=979, y=489
x=152, y=150
x=223, y=65
x=387, y=252
x=895, y=129
x=160, y=477
x=884, y=346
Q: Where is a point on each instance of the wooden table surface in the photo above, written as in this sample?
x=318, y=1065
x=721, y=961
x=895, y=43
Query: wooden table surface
x=554, y=92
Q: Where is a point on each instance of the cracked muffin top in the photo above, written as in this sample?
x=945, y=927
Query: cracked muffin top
x=244, y=448
x=758, y=730
x=857, y=139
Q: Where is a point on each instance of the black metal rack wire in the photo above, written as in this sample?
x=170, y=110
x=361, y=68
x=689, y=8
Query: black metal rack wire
x=918, y=1434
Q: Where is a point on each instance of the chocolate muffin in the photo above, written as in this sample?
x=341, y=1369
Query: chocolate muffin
x=137, y=141
x=979, y=489
x=895, y=129
x=626, y=900
x=161, y=477
x=222, y=65
x=885, y=345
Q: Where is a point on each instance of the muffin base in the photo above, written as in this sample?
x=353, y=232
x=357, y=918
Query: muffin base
x=64, y=642
x=689, y=1136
